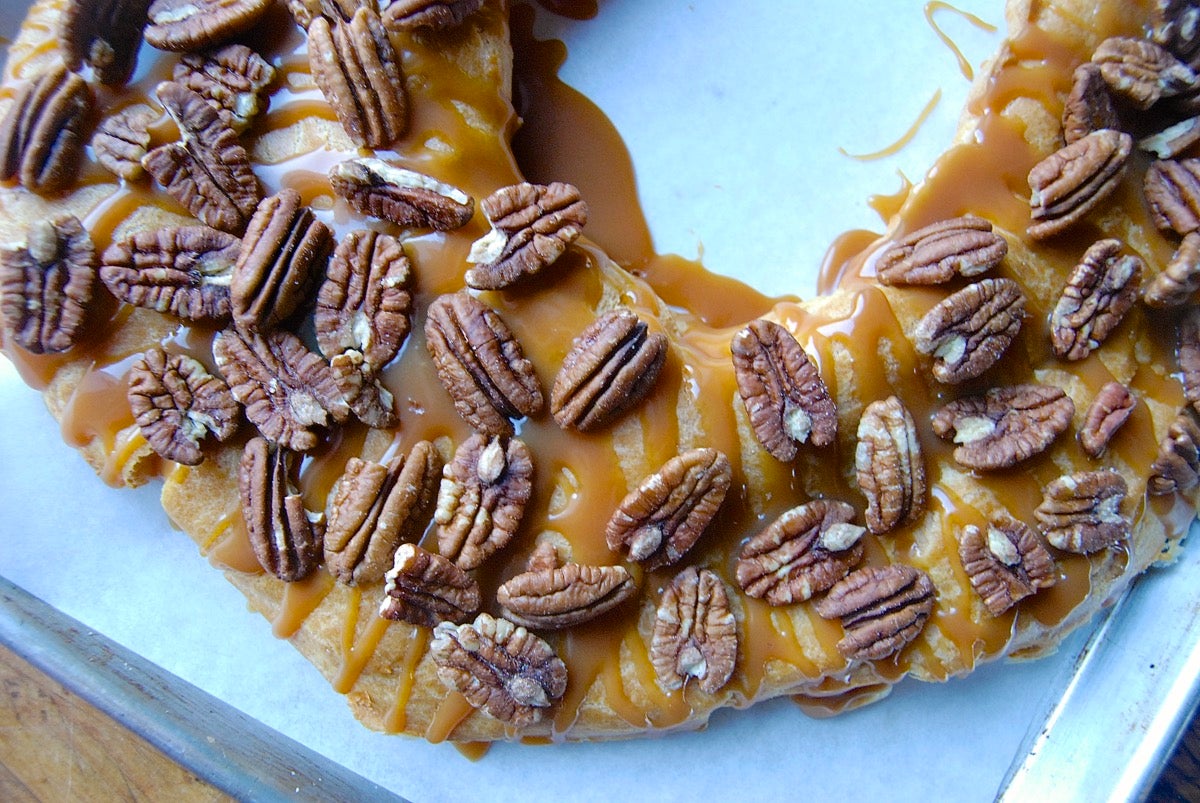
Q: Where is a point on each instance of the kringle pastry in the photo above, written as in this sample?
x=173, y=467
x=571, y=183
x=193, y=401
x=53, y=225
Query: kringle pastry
x=487, y=480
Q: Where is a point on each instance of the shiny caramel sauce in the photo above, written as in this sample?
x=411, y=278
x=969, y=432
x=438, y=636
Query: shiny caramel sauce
x=860, y=343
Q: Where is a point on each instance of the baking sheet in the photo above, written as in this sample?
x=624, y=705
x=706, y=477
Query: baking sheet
x=734, y=114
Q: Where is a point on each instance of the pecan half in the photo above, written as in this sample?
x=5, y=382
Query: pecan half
x=405, y=197
x=1189, y=355
x=176, y=403
x=611, y=367
x=695, y=633
x=1177, y=467
x=1180, y=279
x=500, y=668
x=482, y=498
x=1141, y=71
x=1108, y=411
x=882, y=608
x=532, y=225
x=552, y=599
x=424, y=589
x=480, y=363
x=1005, y=564
x=434, y=15
x=209, y=171
x=1089, y=106
x=660, y=520
x=1175, y=24
x=967, y=332
x=42, y=135
x=1005, y=425
x=360, y=386
x=785, y=398
x=1073, y=180
x=1082, y=512
x=286, y=389
x=183, y=271
x=285, y=537
x=104, y=33
x=961, y=246
x=1172, y=140
x=184, y=25
x=1100, y=290
x=1172, y=188
x=359, y=73
x=801, y=553
x=376, y=508
x=305, y=11
x=889, y=466
x=282, y=257
x=122, y=139
x=46, y=285
x=232, y=78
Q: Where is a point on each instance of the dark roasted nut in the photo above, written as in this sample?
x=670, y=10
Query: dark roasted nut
x=1075, y=179
x=1175, y=24
x=231, y=78
x=532, y=225
x=1189, y=355
x=1141, y=71
x=122, y=140
x=405, y=197
x=882, y=608
x=481, y=364
x=660, y=520
x=42, y=135
x=104, y=33
x=1172, y=188
x=967, y=332
x=209, y=172
x=1177, y=467
x=286, y=389
x=889, y=466
x=377, y=507
x=358, y=71
x=482, y=498
x=786, y=400
x=183, y=271
x=424, y=589
x=1100, y=290
x=1089, y=107
x=176, y=402
x=801, y=553
x=285, y=537
x=184, y=25
x=1006, y=564
x=46, y=285
x=1082, y=512
x=1005, y=425
x=360, y=386
x=551, y=599
x=1179, y=279
x=695, y=633
x=282, y=257
x=434, y=15
x=611, y=367
x=1108, y=411
x=1172, y=140
x=500, y=668
x=961, y=246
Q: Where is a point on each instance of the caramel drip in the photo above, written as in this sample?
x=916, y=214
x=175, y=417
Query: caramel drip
x=358, y=649
x=233, y=550
x=904, y=139
x=931, y=9
x=453, y=710
x=414, y=650
x=472, y=751
x=588, y=652
x=299, y=600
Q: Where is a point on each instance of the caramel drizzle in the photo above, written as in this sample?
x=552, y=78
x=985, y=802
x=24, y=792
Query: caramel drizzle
x=904, y=139
x=931, y=9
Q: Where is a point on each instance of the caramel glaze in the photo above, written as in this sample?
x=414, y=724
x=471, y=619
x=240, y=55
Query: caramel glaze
x=859, y=344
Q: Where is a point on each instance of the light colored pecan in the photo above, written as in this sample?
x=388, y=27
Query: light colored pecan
x=42, y=134
x=232, y=78
x=1172, y=140
x=288, y=391
x=1005, y=564
x=551, y=599
x=377, y=507
x=1089, y=107
x=1108, y=411
x=882, y=608
x=1073, y=180
x=1005, y=425
x=1100, y=290
x=424, y=589
x=122, y=139
x=889, y=466
x=1175, y=24
x=1141, y=71
x=1172, y=188
x=1189, y=355
x=183, y=271
x=532, y=225
x=405, y=197
x=1180, y=279
x=360, y=385
x=480, y=363
x=785, y=398
x=186, y=25
x=176, y=403
x=285, y=537
x=1081, y=512
x=660, y=520
x=282, y=257
x=611, y=367
x=434, y=15
x=106, y=34
x=1177, y=467
x=482, y=498
x=209, y=171
x=695, y=633
x=803, y=552
x=500, y=668
x=359, y=73
x=961, y=246
x=305, y=11
x=967, y=332
x=46, y=285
